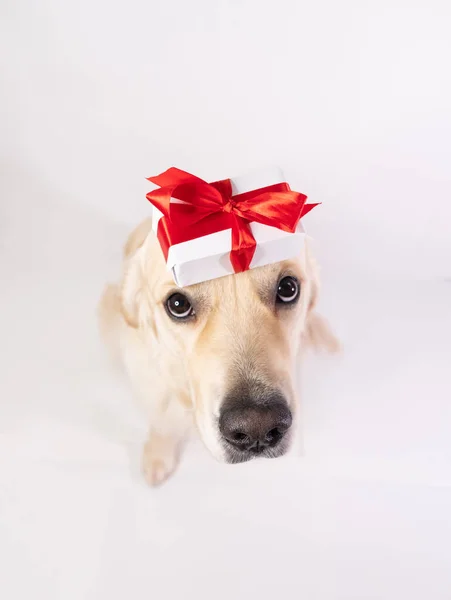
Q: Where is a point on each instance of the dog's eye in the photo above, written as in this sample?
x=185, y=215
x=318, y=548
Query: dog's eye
x=288, y=290
x=179, y=306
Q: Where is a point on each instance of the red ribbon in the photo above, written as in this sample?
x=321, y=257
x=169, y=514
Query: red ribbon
x=210, y=207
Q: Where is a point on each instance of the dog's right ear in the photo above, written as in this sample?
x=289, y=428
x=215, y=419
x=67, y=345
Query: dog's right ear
x=137, y=238
x=132, y=292
x=135, y=300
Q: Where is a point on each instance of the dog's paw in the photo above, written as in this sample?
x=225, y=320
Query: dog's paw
x=160, y=459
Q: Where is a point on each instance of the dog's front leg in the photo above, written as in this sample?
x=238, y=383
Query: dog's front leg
x=168, y=432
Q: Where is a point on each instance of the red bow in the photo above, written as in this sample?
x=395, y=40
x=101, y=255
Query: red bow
x=210, y=207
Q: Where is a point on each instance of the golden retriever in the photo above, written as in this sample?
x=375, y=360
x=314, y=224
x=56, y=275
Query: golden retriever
x=220, y=355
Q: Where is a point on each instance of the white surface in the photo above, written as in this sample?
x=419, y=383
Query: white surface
x=353, y=100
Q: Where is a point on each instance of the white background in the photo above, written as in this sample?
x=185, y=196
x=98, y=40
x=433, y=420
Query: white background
x=352, y=99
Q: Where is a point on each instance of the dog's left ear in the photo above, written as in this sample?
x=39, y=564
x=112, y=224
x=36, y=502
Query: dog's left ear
x=318, y=334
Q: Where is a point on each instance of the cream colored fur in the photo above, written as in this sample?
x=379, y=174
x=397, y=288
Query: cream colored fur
x=180, y=371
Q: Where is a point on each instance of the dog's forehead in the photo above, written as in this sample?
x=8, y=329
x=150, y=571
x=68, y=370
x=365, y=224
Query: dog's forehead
x=259, y=281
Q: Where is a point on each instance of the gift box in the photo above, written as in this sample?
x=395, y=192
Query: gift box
x=209, y=230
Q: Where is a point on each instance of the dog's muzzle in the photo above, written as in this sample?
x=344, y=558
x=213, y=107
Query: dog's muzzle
x=254, y=427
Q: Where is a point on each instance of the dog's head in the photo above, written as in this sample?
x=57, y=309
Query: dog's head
x=232, y=343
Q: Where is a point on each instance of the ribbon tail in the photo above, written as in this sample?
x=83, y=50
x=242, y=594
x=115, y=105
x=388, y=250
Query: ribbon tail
x=161, y=199
x=307, y=208
x=243, y=245
x=173, y=177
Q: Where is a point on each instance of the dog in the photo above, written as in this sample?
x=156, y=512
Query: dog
x=220, y=355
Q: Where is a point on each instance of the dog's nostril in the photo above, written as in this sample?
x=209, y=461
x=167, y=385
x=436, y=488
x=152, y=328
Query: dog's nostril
x=239, y=437
x=273, y=435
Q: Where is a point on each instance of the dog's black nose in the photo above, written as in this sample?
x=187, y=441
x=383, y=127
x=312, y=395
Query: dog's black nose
x=254, y=427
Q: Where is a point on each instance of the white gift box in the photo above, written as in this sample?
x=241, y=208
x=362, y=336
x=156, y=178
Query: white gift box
x=208, y=257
